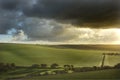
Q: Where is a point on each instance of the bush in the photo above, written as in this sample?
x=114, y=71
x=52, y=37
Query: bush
x=117, y=66
x=54, y=66
x=35, y=66
x=43, y=65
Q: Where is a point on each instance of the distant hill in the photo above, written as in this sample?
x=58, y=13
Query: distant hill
x=89, y=47
x=78, y=55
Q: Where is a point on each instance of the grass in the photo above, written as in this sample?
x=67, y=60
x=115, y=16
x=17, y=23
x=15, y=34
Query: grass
x=26, y=55
x=111, y=74
x=93, y=75
x=23, y=54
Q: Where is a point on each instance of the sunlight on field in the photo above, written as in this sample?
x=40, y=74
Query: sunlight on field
x=77, y=55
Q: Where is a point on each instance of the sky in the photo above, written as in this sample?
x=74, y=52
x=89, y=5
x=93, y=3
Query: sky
x=60, y=21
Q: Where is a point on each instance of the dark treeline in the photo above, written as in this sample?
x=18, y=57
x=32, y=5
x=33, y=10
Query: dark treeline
x=7, y=66
x=45, y=70
x=72, y=67
x=45, y=66
x=11, y=66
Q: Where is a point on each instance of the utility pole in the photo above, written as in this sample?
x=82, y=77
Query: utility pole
x=103, y=60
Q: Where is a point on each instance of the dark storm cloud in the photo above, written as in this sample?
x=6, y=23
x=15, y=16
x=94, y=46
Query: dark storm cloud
x=9, y=4
x=5, y=21
x=43, y=19
x=11, y=22
x=90, y=13
x=9, y=19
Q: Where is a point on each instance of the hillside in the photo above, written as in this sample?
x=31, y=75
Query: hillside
x=89, y=47
x=24, y=54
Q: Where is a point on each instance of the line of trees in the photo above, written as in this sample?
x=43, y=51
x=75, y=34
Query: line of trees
x=68, y=68
x=52, y=66
x=7, y=66
x=11, y=66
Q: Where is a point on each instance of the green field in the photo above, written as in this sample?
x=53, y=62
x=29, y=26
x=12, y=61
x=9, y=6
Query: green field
x=24, y=54
x=82, y=55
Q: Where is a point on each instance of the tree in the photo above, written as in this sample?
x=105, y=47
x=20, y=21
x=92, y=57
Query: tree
x=43, y=65
x=35, y=66
x=8, y=66
x=67, y=67
x=2, y=66
x=117, y=66
x=13, y=66
x=54, y=66
x=71, y=67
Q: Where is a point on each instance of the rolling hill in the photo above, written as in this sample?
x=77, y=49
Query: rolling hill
x=27, y=54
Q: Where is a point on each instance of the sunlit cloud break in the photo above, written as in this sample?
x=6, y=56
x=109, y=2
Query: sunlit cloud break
x=71, y=35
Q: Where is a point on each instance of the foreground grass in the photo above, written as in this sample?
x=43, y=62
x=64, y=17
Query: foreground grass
x=18, y=73
x=112, y=74
x=93, y=75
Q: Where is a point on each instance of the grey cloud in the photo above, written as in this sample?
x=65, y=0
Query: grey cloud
x=34, y=28
x=9, y=4
x=43, y=29
x=46, y=19
x=9, y=19
x=90, y=13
